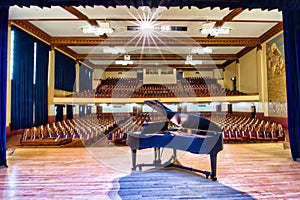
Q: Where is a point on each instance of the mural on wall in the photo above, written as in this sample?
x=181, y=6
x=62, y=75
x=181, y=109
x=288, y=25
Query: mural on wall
x=276, y=77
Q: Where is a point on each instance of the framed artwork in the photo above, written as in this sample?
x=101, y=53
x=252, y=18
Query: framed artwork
x=277, y=104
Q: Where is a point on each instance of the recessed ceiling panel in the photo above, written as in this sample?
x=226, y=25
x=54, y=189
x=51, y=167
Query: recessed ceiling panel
x=249, y=29
x=195, y=13
x=258, y=14
x=63, y=28
x=35, y=12
x=227, y=50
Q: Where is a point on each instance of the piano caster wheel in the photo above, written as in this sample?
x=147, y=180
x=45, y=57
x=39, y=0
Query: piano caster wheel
x=213, y=178
x=207, y=174
x=140, y=168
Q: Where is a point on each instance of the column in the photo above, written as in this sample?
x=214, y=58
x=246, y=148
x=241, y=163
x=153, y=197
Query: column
x=51, y=85
x=238, y=77
x=77, y=76
x=262, y=83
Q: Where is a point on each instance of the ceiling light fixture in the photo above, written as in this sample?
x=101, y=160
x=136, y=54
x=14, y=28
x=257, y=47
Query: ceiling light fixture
x=158, y=28
x=126, y=61
x=190, y=61
x=147, y=26
x=209, y=28
x=102, y=29
x=215, y=31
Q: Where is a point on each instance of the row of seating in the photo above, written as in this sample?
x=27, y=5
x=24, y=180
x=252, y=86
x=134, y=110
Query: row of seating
x=241, y=128
x=128, y=87
x=116, y=126
x=234, y=128
x=88, y=128
x=119, y=83
x=134, y=124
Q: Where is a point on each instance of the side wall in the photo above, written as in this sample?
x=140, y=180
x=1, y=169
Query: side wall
x=248, y=73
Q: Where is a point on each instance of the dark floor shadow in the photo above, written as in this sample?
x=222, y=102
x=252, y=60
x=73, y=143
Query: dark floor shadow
x=171, y=184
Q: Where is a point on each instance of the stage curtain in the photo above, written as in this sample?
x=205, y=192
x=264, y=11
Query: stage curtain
x=292, y=59
x=85, y=78
x=41, y=86
x=69, y=111
x=65, y=72
x=59, y=112
x=22, y=80
x=3, y=83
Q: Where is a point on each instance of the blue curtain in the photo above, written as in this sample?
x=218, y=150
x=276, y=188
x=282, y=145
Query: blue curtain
x=59, y=112
x=22, y=80
x=3, y=78
x=292, y=59
x=29, y=82
x=85, y=78
x=41, y=85
x=65, y=72
x=69, y=111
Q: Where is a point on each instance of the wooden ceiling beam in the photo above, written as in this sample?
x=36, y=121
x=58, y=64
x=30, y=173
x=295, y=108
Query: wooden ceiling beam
x=80, y=15
x=233, y=14
x=68, y=51
x=227, y=18
x=31, y=29
x=272, y=32
x=163, y=41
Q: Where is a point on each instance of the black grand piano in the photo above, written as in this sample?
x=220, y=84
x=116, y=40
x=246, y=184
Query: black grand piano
x=192, y=133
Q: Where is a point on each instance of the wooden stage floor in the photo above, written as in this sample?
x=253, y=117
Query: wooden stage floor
x=245, y=171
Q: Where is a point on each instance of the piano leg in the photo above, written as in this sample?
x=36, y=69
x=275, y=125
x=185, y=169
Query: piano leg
x=213, y=163
x=133, y=154
x=174, y=157
x=157, y=159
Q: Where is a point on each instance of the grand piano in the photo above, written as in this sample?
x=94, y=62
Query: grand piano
x=191, y=133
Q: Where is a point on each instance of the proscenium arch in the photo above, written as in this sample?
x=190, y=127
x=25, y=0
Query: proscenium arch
x=291, y=21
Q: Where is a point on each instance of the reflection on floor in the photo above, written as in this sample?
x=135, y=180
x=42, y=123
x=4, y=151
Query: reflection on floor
x=259, y=171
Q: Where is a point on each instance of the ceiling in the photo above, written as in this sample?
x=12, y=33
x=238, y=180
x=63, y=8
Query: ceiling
x=62, y=28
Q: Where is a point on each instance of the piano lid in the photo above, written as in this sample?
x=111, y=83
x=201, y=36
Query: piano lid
x=160, y=108
x=184, y=120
